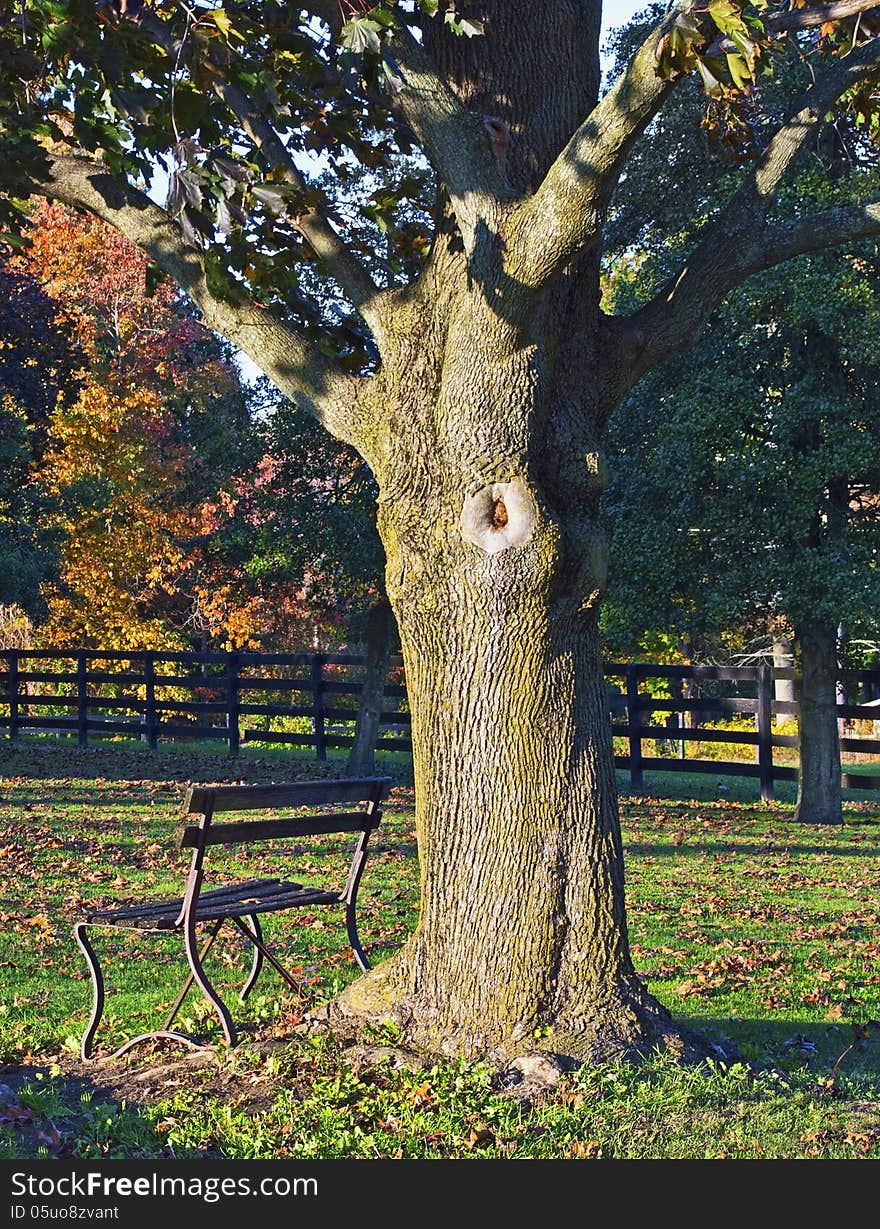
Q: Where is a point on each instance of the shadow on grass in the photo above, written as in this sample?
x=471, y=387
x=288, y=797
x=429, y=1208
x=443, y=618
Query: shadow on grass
x=54, y=1115
x=637, y=849
x=844, y=1050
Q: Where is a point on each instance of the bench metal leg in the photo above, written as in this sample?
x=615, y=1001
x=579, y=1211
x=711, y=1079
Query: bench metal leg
x=195, y=963
x=257, y=940
x=160, y=1034
x=98, y=998
x=189, y=981
x=353, y=937
x=256, y=966
x=79, y=933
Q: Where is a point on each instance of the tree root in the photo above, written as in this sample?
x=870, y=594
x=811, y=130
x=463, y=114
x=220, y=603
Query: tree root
x=627, y=1024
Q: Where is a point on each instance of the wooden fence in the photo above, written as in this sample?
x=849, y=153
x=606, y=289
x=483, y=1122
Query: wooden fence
x=738, y=689
x=310, y=700
x=233, y=697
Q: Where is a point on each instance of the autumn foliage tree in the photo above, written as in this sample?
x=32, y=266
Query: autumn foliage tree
x=39, y=360
x=180, y=507
x=135, y=465
x=477, y=391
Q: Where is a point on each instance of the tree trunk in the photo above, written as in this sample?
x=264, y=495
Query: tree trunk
x=495, y=568
x=521, y=941
x=377, y=648
x=487, y=420
x=783, y=689
x=819, y=800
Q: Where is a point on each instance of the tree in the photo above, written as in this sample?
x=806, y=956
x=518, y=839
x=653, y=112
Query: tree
x=482, y=419
x=307, y=514
x=133, y=457
x=308, y=517
x=746, y=471
x=744, y=494
x=763, y=480
x=38, y=365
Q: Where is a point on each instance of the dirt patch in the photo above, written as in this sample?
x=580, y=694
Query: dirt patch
x=73, y=1088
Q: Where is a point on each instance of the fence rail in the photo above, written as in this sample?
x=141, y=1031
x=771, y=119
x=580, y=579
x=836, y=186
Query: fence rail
x=310, y=700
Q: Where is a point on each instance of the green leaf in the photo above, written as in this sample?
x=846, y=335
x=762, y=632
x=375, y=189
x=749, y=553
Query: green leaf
x=711, y=84
x=271, y=197
x=223, y=23
x=739, y=70
x=361, y=35
x=748, y=49
x=726, y=15
x=18, y=243
x=228, y=168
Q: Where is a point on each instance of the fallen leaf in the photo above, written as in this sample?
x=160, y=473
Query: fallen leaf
x=586, y=1149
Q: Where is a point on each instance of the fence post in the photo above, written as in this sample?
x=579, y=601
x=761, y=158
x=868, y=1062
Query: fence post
x=82, y=700
x=765, y=733
x=318, y=705
x=150, y=715
x=13, y=695
x=634, y=720
x=232, y=703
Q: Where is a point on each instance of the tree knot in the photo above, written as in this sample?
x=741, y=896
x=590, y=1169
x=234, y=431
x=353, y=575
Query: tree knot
x=499, y=516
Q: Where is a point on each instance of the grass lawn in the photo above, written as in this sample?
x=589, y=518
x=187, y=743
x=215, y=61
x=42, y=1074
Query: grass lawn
x=758, y=932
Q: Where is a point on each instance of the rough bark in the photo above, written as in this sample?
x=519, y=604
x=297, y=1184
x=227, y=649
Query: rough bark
x=819, y=800
x=495, y=567
x=487, y=454
x=378, y=643
x=536, y=69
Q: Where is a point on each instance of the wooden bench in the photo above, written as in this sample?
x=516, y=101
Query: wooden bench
x=241, y=903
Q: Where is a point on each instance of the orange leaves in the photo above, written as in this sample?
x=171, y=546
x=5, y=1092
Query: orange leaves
x=735, y=969
x=480, y=1137
x=147, y=481
x=585, y=1149
x=100, y=279
x=422, y=1096
x=134, y=502
x=120, y=517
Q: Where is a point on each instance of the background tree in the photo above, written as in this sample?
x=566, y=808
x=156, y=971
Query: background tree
x=133, y=465
x=38, y=362
x=746, y=472
x=482, y=420
x=181, y=505
x=309, y=518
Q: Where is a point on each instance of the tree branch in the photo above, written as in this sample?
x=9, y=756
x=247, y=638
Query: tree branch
x=453, y=138
x=299, y=370
x=821, y=230
x=739, y=242
x=567, y=212
x=314, y=224
x=805, y=19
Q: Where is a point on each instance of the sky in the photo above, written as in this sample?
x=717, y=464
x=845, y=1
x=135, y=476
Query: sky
x=617, y=12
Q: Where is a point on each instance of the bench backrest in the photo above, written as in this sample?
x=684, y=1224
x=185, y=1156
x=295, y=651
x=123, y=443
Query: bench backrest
x=206, y=801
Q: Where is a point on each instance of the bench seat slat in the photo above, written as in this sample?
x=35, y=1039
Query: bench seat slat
x=231, y=890
x=306, y=896
x=236, y=900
